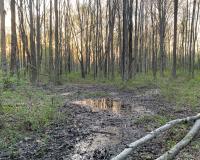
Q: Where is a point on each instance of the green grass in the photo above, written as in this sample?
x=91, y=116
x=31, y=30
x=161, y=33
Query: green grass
x=175, y=134
x=183, y=91
x=25, y=109
x=96, y=94
x=159, y=120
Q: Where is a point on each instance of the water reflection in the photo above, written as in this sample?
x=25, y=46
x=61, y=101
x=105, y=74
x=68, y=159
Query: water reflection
x=115, y=106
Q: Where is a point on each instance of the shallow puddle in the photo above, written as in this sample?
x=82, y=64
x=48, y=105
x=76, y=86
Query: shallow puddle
x=109, y=104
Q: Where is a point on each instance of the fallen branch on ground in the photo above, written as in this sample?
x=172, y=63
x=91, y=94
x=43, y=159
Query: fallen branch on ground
x=131, y=147
x=184, y=142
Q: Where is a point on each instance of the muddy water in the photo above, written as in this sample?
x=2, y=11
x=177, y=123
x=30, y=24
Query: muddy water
x=109, y=133
x=114, y=105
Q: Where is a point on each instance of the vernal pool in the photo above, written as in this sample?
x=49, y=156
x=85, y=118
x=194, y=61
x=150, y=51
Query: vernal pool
x=113, y=105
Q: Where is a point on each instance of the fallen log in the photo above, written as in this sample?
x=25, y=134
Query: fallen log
x=183, y=143
x=131, y=147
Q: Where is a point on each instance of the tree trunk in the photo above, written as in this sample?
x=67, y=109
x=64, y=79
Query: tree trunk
x=13, y=65
x=130, y=38
x=191, y=37
x=125, y=41
x=175, y=38
x=154, y=68
x=51, y=64
x=38, y=37
x=135, y=60
x=57, y=54
x=3, y=38
x=33, y=64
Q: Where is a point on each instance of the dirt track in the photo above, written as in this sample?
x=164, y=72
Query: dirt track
x=116, y=119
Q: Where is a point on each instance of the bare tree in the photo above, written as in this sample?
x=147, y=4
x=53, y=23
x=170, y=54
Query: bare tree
x=191, y=38
x=125, y=53
x=154, y=59
x=13, y=62
x=175, y=38
x=135, y=58
x=51, y=64
x=130, y=38
x=57, y=54
x=3, y=38
x=162, y=6
x=38, y=36
x=33, y=64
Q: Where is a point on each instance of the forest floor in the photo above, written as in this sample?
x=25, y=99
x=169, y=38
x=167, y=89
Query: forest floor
x=98, y=121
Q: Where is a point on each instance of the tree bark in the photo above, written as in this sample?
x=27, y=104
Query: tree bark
x=175, y=38
x=191, y=38
x=3, y=38
x=13, y=61
x=51, y=64
x=33, y=65
x=125, y=41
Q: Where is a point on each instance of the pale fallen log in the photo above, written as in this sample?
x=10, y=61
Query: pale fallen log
x=183, y=143
x=131, y=147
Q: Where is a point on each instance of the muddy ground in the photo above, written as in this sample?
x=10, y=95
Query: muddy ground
x=98, y=121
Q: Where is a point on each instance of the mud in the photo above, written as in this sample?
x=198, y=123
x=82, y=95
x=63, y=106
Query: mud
x=99, y=127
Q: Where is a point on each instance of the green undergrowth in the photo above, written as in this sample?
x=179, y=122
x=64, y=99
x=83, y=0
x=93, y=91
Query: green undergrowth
x=146, y=119
x=176, y=134
x=183, y=91
x=96, y=94
x=24, y=109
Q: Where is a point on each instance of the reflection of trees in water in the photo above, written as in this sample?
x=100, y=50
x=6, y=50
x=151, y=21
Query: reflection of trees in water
x=108, y=104
x=112, y=105
x=104, y=104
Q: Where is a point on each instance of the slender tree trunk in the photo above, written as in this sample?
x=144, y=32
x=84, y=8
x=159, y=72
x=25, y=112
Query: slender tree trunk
x=51, y=64
x=130, y=39
x=175, y=38
x=24, y=39
x=125, y=41
x=3, y=38
x=81, y=59
x=13, y=65
x=195, y=35
x=162, y=23
x=33, y=64
x=191, y=37
x=45, y=38
x=38, y=37
x=57, y=54
x=153, y=46
x=186, y=40
x=135, y=60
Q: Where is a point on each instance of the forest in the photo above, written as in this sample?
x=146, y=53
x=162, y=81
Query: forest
x=99, y=79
